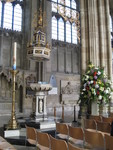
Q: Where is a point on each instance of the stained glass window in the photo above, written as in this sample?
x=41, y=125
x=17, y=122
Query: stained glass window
x=63, y=29
x=11, y=15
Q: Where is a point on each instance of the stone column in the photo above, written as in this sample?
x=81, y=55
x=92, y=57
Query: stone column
x=83, y=36
x=108, y=34
x=95, y=34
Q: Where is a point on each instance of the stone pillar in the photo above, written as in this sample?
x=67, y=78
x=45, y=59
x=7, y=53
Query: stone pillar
x=83, y=36
x=95, y=34
x=94, y=109
x=108, y=34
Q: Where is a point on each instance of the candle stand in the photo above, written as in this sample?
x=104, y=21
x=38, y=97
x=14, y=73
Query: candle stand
x=13, y=124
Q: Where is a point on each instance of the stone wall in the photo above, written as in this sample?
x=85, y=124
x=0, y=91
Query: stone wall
x=64, y=63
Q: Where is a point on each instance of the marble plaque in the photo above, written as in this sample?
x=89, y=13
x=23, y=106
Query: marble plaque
x=70, y=91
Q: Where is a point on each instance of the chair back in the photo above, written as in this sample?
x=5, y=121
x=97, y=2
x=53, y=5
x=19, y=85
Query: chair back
x=96, y=118
x=108, y=142
x=31, y=135
x=58, y=144
x=62, y=128
x=107, y=119
x=72, y=147
x=43, y=139
x=76, y=132
x=90, y=124
x=94, y=139
x=110, y=114
x=104, y=126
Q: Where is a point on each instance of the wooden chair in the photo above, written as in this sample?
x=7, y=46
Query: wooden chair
x=58, y=144
x=111, y=114
x=96, y=118
x=108, y=142
x=107, y=119
x=94, y=139
x=72, y=147
x=31, y=136
x=90, y=124
x=76, y=136
x=43, y=141
x=103, y=126
x=61, y=131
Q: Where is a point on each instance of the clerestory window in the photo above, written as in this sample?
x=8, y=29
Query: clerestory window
x=11, y=15
x=64, y=29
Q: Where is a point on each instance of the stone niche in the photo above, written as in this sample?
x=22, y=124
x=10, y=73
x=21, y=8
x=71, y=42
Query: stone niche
x=70, y=91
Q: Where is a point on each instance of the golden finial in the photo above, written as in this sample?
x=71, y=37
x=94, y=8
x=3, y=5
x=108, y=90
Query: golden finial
x=40, y=17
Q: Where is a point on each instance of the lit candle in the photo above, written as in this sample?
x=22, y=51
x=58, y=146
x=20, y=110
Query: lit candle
x=14, y=56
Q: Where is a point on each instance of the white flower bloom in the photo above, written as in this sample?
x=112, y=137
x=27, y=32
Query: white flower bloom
x=91, y=82
x=100, y=97
x=98, y=72
x=106, y=91
x=94, y=92
x=87, y=77
x=85, y=85
x=96, y=86
x=101, y=89
x=104, y=74
x=84, y=89
x=110, y=96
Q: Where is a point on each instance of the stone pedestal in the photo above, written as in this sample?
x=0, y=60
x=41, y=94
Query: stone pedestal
x=94, y=109
x=100, y=109
x=40, y=112
x=104, y=110
x=40, y=103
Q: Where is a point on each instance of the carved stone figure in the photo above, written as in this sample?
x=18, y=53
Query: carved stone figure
x=67, y=89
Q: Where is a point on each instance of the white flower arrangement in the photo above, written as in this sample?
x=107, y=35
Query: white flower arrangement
x=95, y=86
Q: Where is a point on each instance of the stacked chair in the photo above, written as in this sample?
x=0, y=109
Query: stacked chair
x=61, y=131
x=58, y=144
x=94, y=140
x=96, y=118
x=90, y=124
x=76, y=136
x=43, y=141
x=94, y=135
x=31, y=136
x=72, y=147
x=107, y=119
x=104, y=127
x=108, y=142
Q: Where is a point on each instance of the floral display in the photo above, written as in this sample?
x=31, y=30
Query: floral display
x=95, y=86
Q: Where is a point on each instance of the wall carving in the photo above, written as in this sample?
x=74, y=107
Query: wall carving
x=69, y=91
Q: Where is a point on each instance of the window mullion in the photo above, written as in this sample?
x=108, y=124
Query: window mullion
x=64, y=31
x=2, y=19
x=57, y=29
x=71, y=33
x=13, y=17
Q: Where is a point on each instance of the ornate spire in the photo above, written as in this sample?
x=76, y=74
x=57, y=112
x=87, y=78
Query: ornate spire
x=40, y=18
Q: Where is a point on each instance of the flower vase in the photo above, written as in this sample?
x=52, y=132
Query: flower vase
x=94, y=108
x=104, y=110
x=83, y=111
